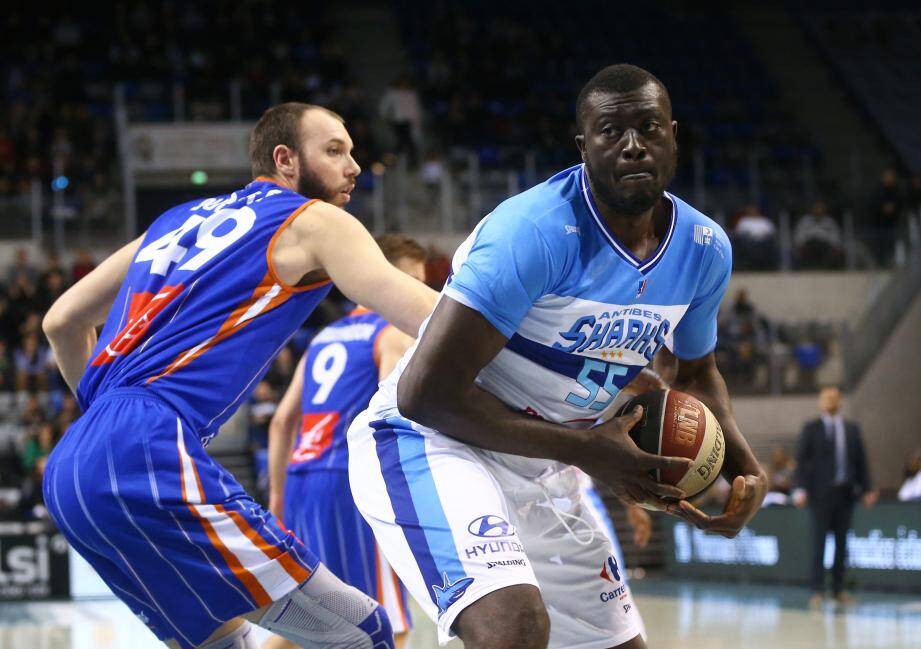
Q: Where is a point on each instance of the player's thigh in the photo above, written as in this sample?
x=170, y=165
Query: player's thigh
x=581, y=580
x=438, y=515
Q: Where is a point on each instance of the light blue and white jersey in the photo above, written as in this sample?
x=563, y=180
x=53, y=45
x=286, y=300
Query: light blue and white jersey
x=582, y=314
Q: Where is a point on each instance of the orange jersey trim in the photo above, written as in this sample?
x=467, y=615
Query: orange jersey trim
x=249, y=581
x=234, y=322
x=271, y=247
x=296, y=571
x=245, y=576
x=268, y=179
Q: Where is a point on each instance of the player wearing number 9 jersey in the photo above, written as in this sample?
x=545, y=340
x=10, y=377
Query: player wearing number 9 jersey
x=194, y=312
x=308, y=477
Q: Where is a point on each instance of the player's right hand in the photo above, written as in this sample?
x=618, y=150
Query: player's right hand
x=613, y=457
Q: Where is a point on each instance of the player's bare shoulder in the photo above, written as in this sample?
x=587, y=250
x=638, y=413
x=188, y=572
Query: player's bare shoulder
x=299, y=247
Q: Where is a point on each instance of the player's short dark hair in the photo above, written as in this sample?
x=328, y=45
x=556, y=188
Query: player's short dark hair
x=398, y=246
x=278, y=125
x=621, y=77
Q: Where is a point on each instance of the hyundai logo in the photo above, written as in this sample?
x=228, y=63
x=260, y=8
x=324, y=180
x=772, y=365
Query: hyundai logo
x=490, y=526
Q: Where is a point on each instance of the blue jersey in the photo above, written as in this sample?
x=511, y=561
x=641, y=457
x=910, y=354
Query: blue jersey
x=340, y=376
x=201, y=312
x=581, y=313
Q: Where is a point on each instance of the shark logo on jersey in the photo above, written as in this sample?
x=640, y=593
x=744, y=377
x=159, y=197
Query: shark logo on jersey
x=449, y=592
x=639, y=330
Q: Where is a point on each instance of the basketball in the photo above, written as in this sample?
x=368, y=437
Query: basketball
x=679, y=425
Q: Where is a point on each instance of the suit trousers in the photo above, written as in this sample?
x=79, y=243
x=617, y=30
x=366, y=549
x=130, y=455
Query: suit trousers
x=831, y=512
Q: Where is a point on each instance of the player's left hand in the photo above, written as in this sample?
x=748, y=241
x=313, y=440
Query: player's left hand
x=744, y=502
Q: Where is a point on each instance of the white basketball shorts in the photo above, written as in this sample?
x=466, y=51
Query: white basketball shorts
x=457, y=523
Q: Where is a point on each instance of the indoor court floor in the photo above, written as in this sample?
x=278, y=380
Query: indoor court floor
x=678, y=615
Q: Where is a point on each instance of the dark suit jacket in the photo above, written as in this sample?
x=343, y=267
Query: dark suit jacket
x=815, y=460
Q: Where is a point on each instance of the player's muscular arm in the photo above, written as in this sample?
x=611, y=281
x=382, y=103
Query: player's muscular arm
x=325, y=238
x=282, y=430
x=437, y=390
x=702, y=379
x=71, y=322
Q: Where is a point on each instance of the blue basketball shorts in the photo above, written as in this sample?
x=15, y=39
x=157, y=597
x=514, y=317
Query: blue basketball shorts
x=319, y=509
x=166, y=527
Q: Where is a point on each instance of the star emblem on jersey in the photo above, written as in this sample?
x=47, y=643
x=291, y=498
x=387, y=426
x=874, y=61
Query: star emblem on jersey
x=610, y=570
x=449, y=592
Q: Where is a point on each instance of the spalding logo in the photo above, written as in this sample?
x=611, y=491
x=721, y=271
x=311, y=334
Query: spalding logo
x=713, y=456
x=490, y=526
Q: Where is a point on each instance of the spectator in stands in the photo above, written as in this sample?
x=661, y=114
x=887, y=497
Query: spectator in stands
x=39, y=443
x=914, y=194
x=21, y=297
x=282, y=368
x=262, y=406
x=50, y=287
x=21, y=267
x=7, y=371
x=743, y=340
x=401, y=109
x=30, y=361
x=817, y=239
x=831, y=475
x=911, y=488
x=780, y=477
x=83, y=264
x=68, y=413
x=885, y=213
x=754, y=240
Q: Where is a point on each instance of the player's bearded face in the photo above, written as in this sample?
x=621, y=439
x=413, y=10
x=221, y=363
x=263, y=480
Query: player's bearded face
x=310, y=182
x=629, y=149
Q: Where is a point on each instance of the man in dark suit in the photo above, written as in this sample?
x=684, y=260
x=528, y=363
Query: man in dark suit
x=831, y=475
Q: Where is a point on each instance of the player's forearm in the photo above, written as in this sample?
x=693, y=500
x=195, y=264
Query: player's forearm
x=72, y=345
x=708, y=386
x=478, y=418
x=281, y=440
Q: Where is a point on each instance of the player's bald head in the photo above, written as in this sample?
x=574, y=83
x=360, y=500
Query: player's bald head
x=617, y=79
x=284, y=124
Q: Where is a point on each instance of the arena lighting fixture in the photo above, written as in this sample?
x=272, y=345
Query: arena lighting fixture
x=199, y=177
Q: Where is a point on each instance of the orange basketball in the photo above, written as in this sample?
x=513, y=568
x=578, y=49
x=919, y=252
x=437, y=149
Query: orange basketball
x=678, y=425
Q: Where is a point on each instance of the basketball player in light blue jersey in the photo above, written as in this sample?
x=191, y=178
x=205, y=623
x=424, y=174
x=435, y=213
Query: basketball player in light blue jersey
x=308, y=453
x=557, y=300
x=194, y=311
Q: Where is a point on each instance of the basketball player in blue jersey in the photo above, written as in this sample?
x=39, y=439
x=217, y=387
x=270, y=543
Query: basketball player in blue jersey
x=557, y=300
x=194, y=312
x=308, y=480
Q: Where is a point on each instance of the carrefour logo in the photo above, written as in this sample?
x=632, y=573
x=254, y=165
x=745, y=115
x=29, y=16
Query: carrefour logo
x=490, y=526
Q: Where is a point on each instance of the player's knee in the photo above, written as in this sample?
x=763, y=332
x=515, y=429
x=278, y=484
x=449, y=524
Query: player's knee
x=324, y=611
x=522, y=623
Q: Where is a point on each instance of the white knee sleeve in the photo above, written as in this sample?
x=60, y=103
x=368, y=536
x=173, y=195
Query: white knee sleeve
x=240, y=638
x=326, y=612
